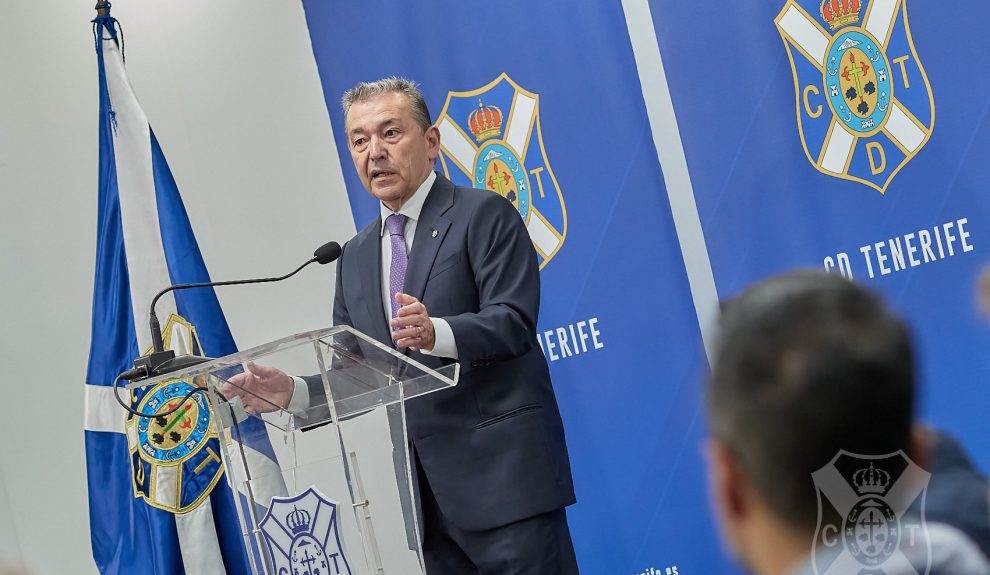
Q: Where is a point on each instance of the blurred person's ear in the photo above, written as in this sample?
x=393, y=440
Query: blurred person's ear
x=726, y=478
x=728, y=489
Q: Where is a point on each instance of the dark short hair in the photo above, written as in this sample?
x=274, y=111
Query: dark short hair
x=806, y=364
x=391, y=85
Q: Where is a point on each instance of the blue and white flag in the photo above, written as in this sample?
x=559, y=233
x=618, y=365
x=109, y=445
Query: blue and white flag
x=159, y=499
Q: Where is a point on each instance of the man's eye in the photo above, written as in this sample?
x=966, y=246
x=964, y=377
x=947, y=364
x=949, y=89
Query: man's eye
x=391, y=133
x=357, y=142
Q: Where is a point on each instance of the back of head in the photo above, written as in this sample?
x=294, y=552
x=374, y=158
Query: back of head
x=807, y=364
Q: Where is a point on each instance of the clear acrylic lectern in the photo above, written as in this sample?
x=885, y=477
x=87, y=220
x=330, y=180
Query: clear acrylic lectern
x=326, y=488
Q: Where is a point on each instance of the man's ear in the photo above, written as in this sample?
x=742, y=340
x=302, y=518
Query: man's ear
x=432, y=136
x=727, y=481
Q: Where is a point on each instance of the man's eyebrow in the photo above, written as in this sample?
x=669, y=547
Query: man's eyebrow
x=384, y=123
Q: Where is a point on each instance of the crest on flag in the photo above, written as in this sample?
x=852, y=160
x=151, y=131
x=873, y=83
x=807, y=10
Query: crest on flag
x=302, y=535
x=864, y=104
x=863, y=527
x=175, y=458
x=491, y=138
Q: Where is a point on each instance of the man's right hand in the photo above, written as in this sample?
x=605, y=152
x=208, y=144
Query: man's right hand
x=257, y=382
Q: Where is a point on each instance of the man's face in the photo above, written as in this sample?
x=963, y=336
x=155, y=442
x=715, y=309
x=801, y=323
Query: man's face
x=391, y=152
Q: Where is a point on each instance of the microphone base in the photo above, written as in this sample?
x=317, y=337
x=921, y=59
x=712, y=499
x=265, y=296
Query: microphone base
x=148, y=365
x=160, y=363
x=179, y=363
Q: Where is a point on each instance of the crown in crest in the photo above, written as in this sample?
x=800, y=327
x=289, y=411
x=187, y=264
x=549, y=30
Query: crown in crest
x=297, y=521
x=871, y=480
x=838, y=13
x=485, y=122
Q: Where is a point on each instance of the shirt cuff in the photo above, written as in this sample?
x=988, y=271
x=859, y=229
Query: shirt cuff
x=299, y=402
x=443, y=342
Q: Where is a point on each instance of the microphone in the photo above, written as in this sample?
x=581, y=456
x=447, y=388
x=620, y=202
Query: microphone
x=326, y=253
x=160, y=361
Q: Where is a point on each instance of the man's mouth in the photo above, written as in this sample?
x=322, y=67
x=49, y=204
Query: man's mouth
x=379, y=174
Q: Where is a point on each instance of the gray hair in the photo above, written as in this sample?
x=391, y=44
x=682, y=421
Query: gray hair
x=391, y=85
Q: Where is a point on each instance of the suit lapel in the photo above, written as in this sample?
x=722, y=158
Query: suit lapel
x=370, y=252
x=430, y=231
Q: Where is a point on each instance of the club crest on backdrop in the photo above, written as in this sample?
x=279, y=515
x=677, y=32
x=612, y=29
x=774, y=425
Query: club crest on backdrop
x=491, y=138
x=175, y=459
x=864, y=104
x=863, y=525
x=302, y=535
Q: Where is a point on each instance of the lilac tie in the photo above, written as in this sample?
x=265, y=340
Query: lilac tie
x=396, y=224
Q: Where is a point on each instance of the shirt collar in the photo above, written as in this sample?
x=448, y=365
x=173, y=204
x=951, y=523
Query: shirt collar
x=413, y=206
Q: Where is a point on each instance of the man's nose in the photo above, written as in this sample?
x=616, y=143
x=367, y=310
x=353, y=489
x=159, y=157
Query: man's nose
x=376, y=149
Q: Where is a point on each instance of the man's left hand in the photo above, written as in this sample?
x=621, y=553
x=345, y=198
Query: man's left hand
x=411, y=326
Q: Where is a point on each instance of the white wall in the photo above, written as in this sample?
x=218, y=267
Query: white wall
x=232, y=91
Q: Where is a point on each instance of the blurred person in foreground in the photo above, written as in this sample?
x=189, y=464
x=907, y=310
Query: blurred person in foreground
x=812, y=460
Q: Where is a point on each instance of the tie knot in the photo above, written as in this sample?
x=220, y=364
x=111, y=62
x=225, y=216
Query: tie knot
x=396, y=224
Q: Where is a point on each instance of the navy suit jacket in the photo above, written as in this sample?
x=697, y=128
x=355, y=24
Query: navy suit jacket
x=492, y=447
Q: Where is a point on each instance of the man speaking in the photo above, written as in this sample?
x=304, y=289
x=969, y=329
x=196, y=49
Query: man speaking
x=450, y=274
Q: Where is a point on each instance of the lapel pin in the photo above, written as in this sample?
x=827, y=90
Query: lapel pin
x=434, y=233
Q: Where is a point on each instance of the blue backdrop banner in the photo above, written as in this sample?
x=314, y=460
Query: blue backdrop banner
x=850, y=135
x=815, y=135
